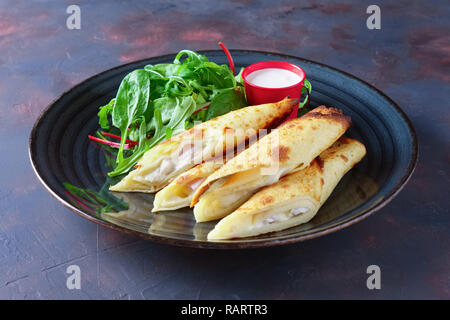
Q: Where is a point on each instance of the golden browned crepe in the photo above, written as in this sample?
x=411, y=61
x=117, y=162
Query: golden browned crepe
x=167, y=160
x=295, y=198
x=290, y=147
x=179, y=192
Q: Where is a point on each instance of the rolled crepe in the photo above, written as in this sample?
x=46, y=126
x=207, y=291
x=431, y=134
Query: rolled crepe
x=291, y=147
x=179, y=192
x=293, y=200
x=167, y=160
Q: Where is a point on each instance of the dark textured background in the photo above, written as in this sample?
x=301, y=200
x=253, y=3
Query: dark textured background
x=409, y=59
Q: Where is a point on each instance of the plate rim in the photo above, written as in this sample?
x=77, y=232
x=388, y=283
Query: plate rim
x=235, y=244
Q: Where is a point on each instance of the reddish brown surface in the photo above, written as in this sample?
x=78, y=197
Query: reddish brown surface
x=408, y=59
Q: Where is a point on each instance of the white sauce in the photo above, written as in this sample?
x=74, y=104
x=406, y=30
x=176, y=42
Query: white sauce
x=273, y=78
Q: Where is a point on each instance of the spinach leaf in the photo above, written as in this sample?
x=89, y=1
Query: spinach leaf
x=226, y=101
x=126, y=164
x=131, y=103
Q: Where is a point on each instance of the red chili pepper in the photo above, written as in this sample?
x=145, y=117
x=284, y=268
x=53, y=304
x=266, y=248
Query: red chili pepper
x=118, y=138
x=109, y=143
x=228, y=54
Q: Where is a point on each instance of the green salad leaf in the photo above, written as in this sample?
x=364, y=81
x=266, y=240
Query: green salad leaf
x=95, y=201
x=131, y=103
x=103, y=114
x=226, y=101
x=160, y=101
x=126, y=163
x=304, y=106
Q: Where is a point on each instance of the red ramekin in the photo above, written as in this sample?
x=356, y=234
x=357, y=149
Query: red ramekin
x=260, y=95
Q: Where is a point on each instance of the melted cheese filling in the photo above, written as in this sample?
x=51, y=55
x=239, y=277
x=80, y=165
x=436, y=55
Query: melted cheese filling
x=267, y=218
x=227, y=194
x=169, y=167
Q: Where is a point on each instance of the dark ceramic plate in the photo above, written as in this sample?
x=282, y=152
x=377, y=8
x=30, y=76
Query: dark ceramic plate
x=64, y=158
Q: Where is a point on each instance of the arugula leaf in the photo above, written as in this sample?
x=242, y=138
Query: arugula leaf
x=178, y=111
x=185, y=107
x=218, y=76
x=177, y=86
x=239, y=79
x=193, y=58
x=162, y=70
x=166, y=105
x=304, y=105
x=103, y=114
x=187, y=68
